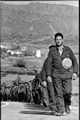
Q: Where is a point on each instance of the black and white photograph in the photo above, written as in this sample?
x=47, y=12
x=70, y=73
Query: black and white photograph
x=39, y=42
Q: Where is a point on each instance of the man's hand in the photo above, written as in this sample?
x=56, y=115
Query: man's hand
x=44, y=83
x=49, y=79
x=74, y=76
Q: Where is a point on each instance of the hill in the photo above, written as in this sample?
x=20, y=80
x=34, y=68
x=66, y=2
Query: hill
x=34, y=20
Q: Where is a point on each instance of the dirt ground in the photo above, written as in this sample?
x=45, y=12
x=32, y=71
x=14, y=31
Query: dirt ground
x=24, y=111
x=29, y=111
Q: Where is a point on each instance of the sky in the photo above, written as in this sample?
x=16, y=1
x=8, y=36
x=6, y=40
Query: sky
x=72, y=3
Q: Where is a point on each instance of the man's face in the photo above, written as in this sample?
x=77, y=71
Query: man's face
x=59, y=41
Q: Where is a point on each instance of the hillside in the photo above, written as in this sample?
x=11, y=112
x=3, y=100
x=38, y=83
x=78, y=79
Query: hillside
x=21, y=22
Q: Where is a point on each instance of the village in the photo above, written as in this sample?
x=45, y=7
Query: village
x=17, y=51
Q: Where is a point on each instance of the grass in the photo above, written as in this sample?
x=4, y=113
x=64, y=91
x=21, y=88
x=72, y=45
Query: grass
x=11, y=77
x=32, y=63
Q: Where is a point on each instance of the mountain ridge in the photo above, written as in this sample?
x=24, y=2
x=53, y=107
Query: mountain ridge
x=37, y=19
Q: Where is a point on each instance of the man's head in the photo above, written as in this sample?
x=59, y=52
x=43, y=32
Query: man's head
x=58, y=39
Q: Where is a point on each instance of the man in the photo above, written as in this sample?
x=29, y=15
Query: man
x=47, y=96
x=47, y=87
x=61, y=74
x=36, y=90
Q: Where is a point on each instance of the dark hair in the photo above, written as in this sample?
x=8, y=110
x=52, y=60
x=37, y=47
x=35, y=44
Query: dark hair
x=58, y=34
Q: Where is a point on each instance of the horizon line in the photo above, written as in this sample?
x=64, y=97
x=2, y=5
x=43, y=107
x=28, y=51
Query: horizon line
x=71, y=3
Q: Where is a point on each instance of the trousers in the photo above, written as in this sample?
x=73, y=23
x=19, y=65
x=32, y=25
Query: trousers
x=63, y=90
x=52, y=98
x=45, y=97
x=48, y=96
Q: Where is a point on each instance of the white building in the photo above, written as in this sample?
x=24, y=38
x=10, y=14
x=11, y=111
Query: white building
x=38, y=53
x=2, y=46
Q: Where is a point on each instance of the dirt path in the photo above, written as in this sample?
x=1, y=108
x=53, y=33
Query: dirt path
x=3, y=104
x=24, y=111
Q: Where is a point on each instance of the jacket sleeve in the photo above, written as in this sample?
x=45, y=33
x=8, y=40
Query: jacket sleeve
x=49, y=64
x=43, y=74
x=74, y=62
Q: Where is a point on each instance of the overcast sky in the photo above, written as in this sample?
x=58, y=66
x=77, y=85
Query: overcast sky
x=73, y=3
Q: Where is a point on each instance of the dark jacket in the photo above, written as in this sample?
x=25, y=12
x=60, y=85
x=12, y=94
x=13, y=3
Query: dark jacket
x=43, y=72
x=54, y=62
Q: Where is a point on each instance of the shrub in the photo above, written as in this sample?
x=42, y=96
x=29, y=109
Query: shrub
x=15, y=47
x=20, y=63
x=29, y=51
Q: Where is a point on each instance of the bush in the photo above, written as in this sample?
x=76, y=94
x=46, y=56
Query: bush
x=20, y=63
x=29, y=52
x=15, y=47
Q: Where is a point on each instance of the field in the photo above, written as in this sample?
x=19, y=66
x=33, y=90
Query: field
x=32, y=63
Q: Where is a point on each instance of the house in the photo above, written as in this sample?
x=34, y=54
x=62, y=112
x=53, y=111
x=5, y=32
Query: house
x=23, y=49
x=10, y=52
x=2, y=46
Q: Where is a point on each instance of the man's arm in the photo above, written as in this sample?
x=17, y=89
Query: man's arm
x=49, y=64
x=49, y=67
x=74, y=62
x=75, y=65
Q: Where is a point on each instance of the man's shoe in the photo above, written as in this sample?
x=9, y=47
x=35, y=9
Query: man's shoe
x=59, y=113
x=67, y=109
x=56, y=113
x=53, y=112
